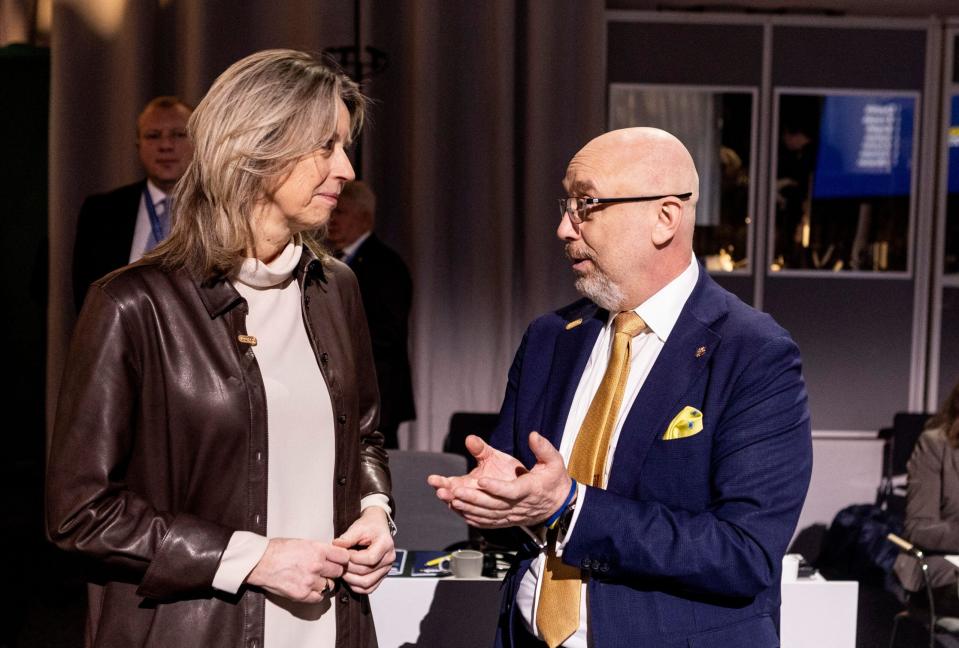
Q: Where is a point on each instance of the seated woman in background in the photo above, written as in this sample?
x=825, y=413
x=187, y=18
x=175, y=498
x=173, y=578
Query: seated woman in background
x=215, y=450
x=932, y=507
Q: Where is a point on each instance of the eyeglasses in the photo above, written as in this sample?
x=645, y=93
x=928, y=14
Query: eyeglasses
x=578, y=208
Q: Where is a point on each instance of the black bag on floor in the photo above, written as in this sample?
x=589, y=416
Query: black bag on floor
x=855, y=547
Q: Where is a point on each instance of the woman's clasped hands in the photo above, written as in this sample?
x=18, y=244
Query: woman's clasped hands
x=306, y=570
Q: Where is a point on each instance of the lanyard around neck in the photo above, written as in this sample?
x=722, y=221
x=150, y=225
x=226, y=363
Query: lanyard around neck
x=155, y=225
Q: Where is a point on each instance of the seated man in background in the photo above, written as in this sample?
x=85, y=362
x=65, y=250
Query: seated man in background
x=387, y=292
x=654, y=438
x=117, y=227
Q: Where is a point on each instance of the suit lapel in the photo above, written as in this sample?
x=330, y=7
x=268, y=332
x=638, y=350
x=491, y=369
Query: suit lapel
x=683, y=358
x=570, y=355
x=366, y=247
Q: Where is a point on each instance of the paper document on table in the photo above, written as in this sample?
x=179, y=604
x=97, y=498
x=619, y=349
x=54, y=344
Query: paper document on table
x=430, y=563
x=399, y=563
x=954, y=559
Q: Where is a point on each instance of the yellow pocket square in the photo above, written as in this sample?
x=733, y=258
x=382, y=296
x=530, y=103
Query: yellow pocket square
x=685, y=424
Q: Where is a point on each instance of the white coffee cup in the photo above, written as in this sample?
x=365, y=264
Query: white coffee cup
x=466, y=563
x=791, y=567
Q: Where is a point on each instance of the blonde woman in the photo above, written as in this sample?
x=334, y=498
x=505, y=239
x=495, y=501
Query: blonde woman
x=215, y=448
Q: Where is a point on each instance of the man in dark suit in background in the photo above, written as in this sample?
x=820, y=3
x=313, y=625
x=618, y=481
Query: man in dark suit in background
x=654, y=441
x=387, y=292
x=118, y=227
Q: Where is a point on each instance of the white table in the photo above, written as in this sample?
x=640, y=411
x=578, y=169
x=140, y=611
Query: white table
x=433, y=612
x=817, y=613
x=436, y=612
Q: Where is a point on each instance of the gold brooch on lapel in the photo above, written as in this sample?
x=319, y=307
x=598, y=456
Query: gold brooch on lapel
x=688, y=422
x=700, y=352
x=574, y=324
x=247, y=339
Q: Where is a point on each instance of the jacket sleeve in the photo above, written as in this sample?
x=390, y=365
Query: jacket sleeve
x=374, y=463
x=925, y=525
x=387, y=300
x=761, y=465
x=90, y=508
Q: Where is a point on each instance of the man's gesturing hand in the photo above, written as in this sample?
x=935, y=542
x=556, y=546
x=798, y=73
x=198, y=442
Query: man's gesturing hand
x=300, y=570
x=497, y=498
x=490, y=463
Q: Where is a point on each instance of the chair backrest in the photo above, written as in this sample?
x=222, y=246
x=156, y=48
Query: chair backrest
x=900, y=439
x=463, y=424
x=422, y=520
x=907, y=428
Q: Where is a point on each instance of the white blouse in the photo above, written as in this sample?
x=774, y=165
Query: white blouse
x=301, y=449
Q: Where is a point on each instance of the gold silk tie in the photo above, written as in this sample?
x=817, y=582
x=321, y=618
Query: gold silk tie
x=557, y=614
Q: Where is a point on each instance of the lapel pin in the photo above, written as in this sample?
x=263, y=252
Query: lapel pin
x=574, y=324
x=247, y=339
x=700, y=352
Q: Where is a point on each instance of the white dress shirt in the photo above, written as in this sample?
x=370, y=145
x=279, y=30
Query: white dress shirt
x=143, y=229
x=660, y=313
x=347, y=253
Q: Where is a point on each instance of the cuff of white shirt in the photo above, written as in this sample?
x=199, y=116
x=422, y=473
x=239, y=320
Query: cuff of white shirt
x=240, y=557
x=580, y=502
x=538, y=533
x=376, y=499
x=379, y=500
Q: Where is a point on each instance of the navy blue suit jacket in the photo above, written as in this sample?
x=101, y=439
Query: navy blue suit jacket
x=684, y=546
x=105, y=229
x=387, y=292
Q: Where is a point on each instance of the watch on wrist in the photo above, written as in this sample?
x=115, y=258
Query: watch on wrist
x=565, y=520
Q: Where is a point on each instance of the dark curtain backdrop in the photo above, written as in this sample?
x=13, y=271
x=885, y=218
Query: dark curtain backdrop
x=480, y=108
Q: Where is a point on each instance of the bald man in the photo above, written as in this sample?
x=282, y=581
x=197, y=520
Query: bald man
x=654, y=443
x=118, y=227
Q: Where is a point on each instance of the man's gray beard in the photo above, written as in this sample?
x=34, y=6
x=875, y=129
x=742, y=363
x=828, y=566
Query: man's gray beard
x=598, y=287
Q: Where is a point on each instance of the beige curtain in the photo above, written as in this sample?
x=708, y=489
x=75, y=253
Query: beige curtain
x=479, y=110
x=24, y=21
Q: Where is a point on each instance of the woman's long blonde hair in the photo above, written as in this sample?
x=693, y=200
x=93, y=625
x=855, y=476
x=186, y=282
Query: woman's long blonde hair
x=260, y=116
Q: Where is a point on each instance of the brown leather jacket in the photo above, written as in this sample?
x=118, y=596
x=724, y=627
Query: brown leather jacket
x=159, y=450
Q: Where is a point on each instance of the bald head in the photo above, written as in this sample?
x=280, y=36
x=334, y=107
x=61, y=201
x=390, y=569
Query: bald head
x=360, y=193
x=625, y=252
x=354, y=215
x=641, y=161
